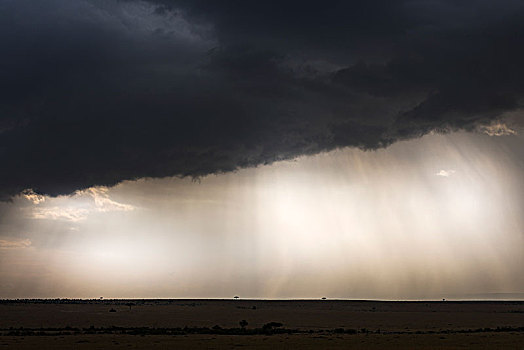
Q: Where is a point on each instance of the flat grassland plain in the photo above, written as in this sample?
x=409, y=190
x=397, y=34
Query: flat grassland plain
x=271, y=324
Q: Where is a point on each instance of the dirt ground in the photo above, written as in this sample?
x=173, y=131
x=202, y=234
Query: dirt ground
x=378, y=325
x=374, y=341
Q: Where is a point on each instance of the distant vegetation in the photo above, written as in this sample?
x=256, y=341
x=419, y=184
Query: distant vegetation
x=268, y=329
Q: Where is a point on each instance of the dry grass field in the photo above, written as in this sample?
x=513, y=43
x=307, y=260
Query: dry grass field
x=306, y=324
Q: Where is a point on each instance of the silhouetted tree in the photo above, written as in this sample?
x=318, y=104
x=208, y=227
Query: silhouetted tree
x=243, y=324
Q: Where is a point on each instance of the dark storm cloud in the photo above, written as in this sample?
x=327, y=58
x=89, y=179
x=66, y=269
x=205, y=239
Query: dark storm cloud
x=93, y=93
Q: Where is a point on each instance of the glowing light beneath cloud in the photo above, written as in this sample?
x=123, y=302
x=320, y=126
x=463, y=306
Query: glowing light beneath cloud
x=498, y=129
x=445, y=173
x=75, y=208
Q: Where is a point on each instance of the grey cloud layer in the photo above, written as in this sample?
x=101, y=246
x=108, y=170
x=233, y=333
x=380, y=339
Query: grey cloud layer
x=93, y=93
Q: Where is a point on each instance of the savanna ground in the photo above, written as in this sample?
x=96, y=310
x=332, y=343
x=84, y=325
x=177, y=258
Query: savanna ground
x=300, y=324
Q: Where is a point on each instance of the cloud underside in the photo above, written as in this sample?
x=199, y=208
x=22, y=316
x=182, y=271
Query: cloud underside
x=93, y=93
x=14, y=244
x=92, y=200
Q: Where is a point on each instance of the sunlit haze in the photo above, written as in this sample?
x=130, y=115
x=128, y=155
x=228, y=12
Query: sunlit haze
x=435, y=217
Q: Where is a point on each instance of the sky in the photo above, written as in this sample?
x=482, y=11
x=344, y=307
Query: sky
x=203, y=149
